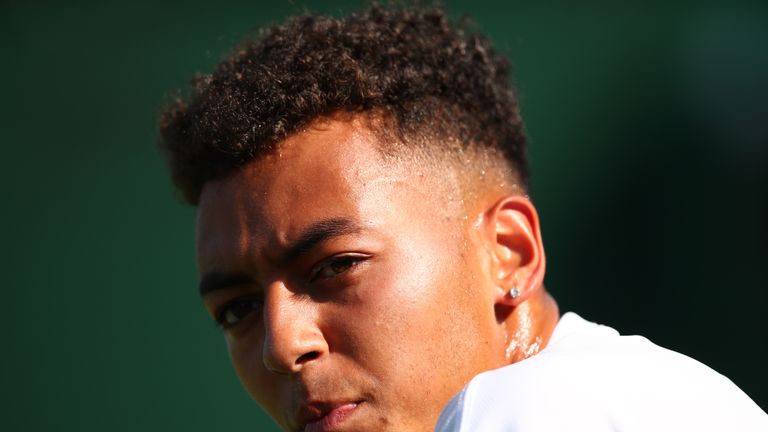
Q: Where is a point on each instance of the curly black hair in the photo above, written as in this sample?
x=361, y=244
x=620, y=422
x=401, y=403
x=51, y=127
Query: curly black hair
x=410, y=66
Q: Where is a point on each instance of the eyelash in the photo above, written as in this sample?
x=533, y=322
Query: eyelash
x=347, y=262
x=249, y=302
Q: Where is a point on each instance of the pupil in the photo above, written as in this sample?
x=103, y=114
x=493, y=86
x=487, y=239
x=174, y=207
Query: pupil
x=239, y=310
x=342, y=264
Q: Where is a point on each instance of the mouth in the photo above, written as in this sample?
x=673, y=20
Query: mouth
x=327, y=417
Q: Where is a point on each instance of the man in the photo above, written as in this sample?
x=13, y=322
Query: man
x=366, y=243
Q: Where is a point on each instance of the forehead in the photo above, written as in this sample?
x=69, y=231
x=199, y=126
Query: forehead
x=331, y=170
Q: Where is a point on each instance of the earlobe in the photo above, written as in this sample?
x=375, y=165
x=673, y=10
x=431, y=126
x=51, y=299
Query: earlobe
x=518, y=252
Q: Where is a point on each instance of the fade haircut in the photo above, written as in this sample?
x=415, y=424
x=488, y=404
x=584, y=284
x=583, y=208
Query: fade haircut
x=431, y=85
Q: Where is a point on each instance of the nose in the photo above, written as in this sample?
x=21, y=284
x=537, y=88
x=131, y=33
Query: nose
x=292, y=337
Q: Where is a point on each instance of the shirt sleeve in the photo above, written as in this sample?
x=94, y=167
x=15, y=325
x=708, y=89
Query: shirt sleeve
x=630, y=388
x=485, y=405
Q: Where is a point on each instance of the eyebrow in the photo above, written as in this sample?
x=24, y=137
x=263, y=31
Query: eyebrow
x=316, y=234
x=216, y=280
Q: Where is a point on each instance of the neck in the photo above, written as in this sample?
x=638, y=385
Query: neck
x=529, y=326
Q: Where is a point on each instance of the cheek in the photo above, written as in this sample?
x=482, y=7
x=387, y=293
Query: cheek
x=417, y=322
x=246, y=356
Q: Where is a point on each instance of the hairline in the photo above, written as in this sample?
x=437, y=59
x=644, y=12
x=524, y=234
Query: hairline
x=472, y=171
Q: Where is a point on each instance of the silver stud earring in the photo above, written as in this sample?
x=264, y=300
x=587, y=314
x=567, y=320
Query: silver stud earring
x=514, y=293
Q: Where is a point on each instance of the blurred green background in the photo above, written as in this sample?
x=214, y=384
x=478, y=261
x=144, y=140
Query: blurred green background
x=649, y=143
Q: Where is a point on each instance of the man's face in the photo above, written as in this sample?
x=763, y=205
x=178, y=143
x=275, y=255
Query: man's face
x=349, y=287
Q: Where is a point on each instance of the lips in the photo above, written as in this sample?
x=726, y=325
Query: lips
x=327, y=417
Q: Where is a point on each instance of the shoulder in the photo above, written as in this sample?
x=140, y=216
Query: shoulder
x=591, y=378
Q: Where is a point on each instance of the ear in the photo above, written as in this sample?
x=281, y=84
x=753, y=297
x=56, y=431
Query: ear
x=517, y=253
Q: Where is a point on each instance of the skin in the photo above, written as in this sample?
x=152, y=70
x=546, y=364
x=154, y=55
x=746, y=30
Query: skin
x=399, y=300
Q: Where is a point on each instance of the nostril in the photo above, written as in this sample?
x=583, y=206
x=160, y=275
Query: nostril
x=308, y=357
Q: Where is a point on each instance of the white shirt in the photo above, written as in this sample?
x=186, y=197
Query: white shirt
x=589, y=378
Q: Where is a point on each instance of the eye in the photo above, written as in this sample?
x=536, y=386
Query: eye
x=233, y=312
x=336, y=266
